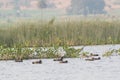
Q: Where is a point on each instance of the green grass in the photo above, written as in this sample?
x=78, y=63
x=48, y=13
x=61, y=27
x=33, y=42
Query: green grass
x=61, y=32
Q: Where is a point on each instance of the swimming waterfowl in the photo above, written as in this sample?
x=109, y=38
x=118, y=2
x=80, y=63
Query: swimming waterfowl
x=64, y=61
x=91, y=54
x=58, y=59
x=37, y=62
x=18, y=60
x=97, y=58
x=90, y=59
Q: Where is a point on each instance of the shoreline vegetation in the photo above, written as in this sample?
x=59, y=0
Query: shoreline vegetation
x=18, y=37
x=54, y=32
x=20, y=53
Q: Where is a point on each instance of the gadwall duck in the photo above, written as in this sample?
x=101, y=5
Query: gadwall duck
x=58, y=59
x=92, y=59
x=18, y=60
x=97, y=58
x=37, y=62
x=64, y=61
x=91, y=54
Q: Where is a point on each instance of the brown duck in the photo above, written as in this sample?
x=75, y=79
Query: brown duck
x=58, y=59
x=64, y=61
x=37, y=62
x=18, y=60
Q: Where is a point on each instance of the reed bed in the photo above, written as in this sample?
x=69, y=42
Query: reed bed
x=61, y=32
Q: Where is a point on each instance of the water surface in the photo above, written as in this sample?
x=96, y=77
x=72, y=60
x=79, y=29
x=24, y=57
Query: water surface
x=75, y=69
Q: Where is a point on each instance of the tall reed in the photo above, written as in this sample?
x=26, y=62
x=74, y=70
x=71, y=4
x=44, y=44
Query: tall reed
x=61, y=32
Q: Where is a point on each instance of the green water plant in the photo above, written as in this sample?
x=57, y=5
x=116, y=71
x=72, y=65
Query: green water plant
x=72, y=52
x=113, y=52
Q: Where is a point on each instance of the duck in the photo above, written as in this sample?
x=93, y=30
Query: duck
x=97, y=58
x=64, y=61
x=92, y=59
x=91, y=54
x=37, y=62
x=58, y=59
x=18, y=60
x=89, y=59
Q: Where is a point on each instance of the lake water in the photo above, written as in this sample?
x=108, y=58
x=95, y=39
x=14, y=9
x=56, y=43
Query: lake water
x=75, y=69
